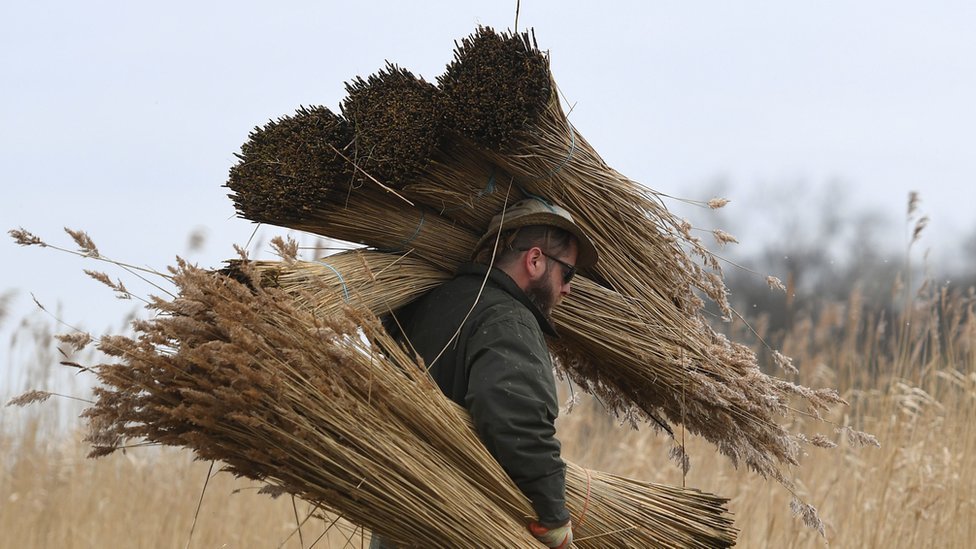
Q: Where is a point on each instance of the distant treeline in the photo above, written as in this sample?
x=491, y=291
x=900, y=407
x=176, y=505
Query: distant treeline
x=833, y=258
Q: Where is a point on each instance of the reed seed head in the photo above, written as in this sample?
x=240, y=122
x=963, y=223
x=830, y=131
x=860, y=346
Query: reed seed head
x=292, y=165
x=497, y=86
x=398, y=121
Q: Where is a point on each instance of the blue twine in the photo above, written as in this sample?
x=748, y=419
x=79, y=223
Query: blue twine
x=489, y=188
x=572, y=149
x=554, y=171
x=345, y=291
x=415, y=233
x=401, y=246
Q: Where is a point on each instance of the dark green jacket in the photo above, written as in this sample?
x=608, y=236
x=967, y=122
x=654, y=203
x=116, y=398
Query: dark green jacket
x=498, y=368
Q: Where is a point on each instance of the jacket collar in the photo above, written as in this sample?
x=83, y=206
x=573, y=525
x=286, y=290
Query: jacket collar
x=501, y=279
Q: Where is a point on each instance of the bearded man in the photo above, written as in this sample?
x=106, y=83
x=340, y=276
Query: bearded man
x=482, y=338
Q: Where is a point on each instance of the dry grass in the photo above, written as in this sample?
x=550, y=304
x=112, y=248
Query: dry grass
x=915, y=491
x=52, y=496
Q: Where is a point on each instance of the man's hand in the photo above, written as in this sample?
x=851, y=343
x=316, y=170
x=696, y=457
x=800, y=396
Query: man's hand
x=558, y=537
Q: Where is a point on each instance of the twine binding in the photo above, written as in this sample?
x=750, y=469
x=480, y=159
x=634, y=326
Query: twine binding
x=586, y=500
x=345, y=290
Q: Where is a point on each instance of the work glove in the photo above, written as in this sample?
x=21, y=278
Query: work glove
x=558, y=537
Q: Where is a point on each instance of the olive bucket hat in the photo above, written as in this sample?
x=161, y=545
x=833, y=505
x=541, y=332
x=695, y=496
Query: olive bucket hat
x=536, y=211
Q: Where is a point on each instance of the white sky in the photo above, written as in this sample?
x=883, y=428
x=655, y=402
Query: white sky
x=121, y=118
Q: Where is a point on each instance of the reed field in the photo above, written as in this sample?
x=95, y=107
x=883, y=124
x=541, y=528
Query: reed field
x=908, y=374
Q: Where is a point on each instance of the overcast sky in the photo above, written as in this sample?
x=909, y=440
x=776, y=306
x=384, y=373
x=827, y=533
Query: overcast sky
x=122, y=118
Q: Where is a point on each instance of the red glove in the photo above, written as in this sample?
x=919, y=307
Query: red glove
x=559, y=537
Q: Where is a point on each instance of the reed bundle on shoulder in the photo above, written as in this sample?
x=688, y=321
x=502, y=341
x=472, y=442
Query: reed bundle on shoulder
x=380, y=282
x=665, y=361
x=296, y=172
x=392, y=109
x=502, y=99
x=326, y=406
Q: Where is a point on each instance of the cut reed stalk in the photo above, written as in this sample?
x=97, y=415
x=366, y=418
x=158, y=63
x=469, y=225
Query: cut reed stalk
x=401, y=139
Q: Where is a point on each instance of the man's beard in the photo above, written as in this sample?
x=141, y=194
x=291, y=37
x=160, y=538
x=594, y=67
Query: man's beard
x=541, y=295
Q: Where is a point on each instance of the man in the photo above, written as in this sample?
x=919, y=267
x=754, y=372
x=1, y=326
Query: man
x=482, y=337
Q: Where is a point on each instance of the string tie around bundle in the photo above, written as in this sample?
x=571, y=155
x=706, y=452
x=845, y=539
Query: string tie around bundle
x=345, y=290
x=420, y=225
x=545, y=201
x=569, y=155
x=586, y=500
x=403, y=245
x=489, y=189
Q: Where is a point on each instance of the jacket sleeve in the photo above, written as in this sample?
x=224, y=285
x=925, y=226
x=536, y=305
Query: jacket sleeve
x=512, y=400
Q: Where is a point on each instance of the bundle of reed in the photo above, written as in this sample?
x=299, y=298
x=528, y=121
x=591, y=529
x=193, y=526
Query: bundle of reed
x=604, y=349
x=394, y=103
x=380, y=282
x=296, y=172
x=501, y=97
x=329, y=408
x=402, y=140
x=306, y=151
x=503, y=100
x=411, y=112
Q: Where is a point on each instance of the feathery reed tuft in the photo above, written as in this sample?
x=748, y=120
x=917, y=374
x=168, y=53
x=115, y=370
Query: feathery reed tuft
x=25, y=238
x=29, y=397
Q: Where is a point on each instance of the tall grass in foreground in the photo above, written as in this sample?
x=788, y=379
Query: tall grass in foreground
x=53, y=496
x=910, y=377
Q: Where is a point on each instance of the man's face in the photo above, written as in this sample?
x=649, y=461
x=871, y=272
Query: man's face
x=547, y=292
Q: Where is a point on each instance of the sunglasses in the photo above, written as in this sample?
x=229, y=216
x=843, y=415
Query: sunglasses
x=569, y=271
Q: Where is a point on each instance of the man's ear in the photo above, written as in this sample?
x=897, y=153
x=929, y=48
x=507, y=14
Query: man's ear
x=534, y=263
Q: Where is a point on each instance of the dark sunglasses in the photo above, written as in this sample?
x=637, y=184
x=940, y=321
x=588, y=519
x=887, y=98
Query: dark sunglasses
x=569, y=271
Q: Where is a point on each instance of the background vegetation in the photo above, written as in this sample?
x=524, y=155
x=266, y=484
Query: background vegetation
x=895, y=334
